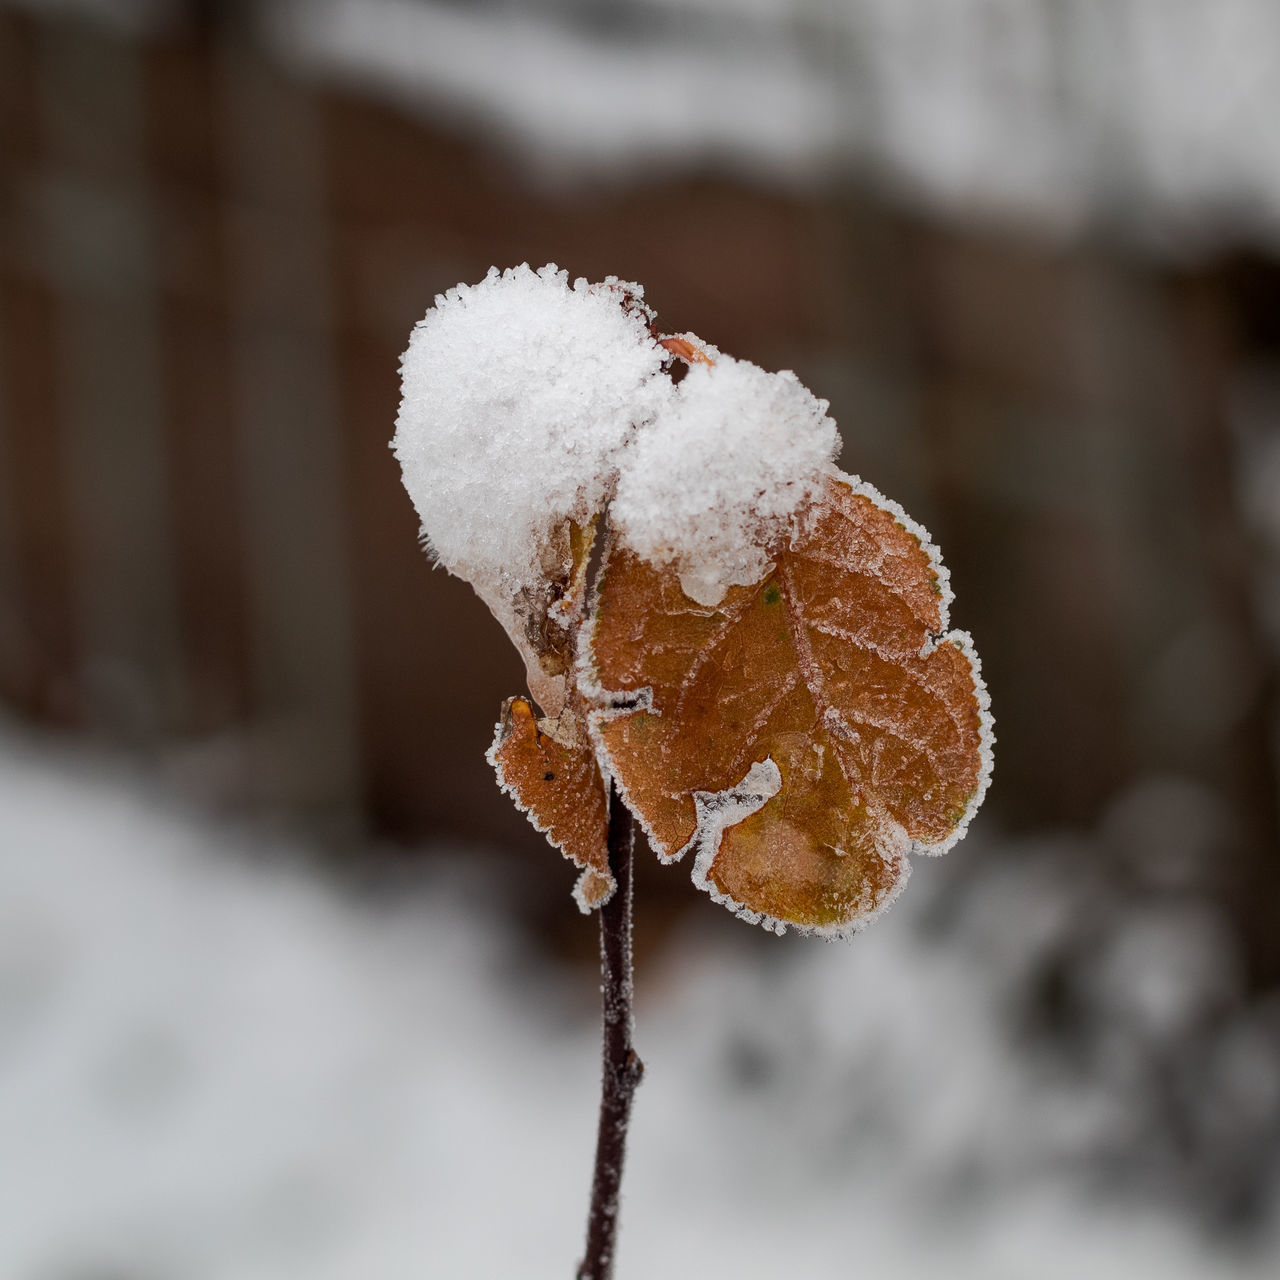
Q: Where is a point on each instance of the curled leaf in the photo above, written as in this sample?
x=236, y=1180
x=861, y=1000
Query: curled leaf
x=686, y=347
x=807, y=733
x=549, y=770
x=545, y=613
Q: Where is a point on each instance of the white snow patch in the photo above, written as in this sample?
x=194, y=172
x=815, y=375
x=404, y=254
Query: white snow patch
x=517, y=394
x=719, y=810
x=719, y=473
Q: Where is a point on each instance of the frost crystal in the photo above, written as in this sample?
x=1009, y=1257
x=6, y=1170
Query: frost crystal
x=717, y=476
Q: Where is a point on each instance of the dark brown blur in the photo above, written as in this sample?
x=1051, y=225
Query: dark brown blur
x=209, y=267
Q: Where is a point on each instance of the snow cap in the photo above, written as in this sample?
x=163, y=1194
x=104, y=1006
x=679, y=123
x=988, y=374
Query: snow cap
x=517, y=394
x=718, y=474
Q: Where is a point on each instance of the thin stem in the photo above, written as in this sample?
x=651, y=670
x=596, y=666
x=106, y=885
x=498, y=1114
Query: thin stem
x=622, y=1069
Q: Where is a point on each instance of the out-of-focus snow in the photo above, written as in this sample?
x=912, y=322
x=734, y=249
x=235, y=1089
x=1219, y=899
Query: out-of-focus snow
x=214, y=1064
x=570, y=93
x=1157, y=114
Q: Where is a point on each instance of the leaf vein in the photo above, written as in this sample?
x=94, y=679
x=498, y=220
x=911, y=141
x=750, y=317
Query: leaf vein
x=830, y=562
x=708, y=648
x=785, y=689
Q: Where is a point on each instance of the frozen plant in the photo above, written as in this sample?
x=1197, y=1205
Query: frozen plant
x=727, y=639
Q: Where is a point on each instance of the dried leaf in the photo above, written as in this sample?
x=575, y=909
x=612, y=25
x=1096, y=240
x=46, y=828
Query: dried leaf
x=805, y=735
x=542, y=616
x=549, y=769
x=686, y=347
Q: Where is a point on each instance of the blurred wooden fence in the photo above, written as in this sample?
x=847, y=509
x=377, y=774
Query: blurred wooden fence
x=208, y=268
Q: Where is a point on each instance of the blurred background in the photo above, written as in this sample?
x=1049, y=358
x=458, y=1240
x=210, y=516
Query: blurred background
x=286, y=987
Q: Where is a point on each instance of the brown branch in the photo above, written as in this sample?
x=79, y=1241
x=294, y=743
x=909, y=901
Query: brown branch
x=622, y=1069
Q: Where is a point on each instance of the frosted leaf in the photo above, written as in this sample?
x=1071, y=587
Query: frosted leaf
x=549, y=769
x=808, y=733
x=763, y=665
x=518, y=392
x=714, y=480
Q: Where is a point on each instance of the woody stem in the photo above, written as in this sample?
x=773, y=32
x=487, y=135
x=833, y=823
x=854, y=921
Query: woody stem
x=622, y=1068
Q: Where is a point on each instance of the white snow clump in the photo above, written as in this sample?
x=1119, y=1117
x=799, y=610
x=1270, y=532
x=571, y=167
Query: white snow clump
x=517, y=394
x=528, y=402
x=718, y=475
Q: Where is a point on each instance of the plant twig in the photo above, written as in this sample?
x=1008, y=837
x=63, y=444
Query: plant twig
x=622, y=1068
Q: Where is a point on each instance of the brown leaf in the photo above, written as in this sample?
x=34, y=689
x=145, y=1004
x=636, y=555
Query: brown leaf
x=548, y=766
x=807, y=733
x=550, y=770
x=543, y=615
x=682, y=346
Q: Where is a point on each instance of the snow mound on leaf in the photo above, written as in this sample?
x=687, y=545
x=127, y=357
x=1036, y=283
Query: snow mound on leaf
x=719, y=474
x=517, y=394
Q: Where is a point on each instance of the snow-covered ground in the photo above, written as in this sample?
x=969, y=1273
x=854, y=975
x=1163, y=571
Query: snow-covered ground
x=216, y=1064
